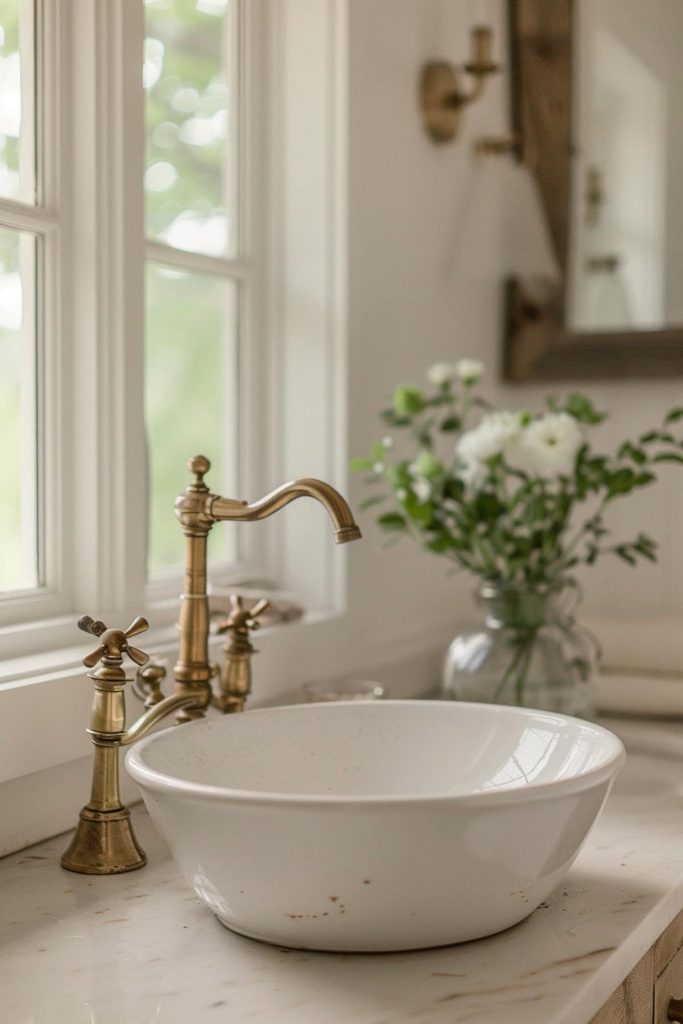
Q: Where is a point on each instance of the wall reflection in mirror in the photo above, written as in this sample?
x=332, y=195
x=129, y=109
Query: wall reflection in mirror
x=597, y=108
x=628, y=209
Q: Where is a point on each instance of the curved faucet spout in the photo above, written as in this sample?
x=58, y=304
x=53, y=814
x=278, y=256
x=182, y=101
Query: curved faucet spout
x=345, y=527
x=198, y=509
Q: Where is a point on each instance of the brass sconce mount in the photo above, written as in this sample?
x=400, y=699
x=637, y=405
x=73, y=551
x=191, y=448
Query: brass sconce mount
x=442, y=96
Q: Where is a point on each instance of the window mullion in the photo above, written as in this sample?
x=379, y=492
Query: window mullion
x=108, y=479
x=187, y=260
x=27, y=218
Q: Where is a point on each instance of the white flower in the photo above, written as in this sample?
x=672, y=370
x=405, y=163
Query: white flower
x=469, y=371
x=490, y=437
x=548, y=446
x=472, y=473
x=494, y=435
x=388, y=441
x=422, y=490
x=441, y=373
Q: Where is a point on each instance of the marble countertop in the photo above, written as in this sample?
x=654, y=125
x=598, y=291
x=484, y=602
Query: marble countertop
x=140, y=948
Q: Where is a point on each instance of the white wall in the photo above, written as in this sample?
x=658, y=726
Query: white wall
x=425, y=238
x=433, y=230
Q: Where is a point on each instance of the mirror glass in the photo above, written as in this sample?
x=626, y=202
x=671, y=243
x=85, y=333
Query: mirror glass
x=626, y=252
x=597, y=117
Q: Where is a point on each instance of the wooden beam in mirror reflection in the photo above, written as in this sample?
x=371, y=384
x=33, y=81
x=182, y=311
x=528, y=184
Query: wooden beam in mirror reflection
x=541, y=97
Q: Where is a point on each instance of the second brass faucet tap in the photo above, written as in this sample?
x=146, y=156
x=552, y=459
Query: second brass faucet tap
x=197, y=510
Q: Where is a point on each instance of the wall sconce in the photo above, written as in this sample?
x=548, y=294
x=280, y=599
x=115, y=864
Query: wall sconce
x=441, y=96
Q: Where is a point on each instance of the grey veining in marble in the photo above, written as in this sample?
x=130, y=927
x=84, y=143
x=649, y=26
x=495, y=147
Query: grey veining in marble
x=139, y=948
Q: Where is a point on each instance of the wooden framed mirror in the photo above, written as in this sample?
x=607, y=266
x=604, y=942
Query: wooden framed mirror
x=597, y=118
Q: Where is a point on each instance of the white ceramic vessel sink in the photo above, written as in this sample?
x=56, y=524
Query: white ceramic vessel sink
x=376, y=826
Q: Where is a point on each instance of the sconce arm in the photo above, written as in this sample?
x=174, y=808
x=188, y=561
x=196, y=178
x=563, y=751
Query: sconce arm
x=461, y=99
x=441, y=95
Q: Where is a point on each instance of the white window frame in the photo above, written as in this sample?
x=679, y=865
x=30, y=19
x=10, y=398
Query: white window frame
x=44, y=221
x=94, y=304
x=247, y=270
x=93, y=469
x=91, y=305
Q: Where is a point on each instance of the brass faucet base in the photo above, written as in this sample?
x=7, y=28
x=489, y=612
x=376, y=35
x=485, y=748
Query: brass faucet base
x=104, y=844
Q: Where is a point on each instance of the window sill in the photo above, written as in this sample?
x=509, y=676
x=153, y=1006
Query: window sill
x=49, y=695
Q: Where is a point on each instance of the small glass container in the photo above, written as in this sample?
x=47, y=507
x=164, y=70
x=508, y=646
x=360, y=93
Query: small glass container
x=528, y=651
x=343, y=689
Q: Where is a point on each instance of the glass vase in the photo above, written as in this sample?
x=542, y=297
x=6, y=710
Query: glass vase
x=529, y=651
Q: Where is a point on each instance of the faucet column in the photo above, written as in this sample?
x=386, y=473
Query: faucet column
x=192, y=670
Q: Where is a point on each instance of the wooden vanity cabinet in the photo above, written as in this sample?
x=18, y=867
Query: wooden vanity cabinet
x=653, y=991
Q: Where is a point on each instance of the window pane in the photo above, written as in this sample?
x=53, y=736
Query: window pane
x=17, y=88
x=190, y=400
x=190, y=78
x=18, y=462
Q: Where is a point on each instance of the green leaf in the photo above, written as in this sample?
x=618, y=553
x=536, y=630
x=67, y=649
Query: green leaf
x=407, y=401
x=451, y=424
x=657, y=435
x=442, y=398
x=646, y=546
x=378, y=452
x=428, y=466
x=420, y=511
x=674, y=415
x=392, y=420
x=442, y=542
x=624, y=553
x=454, y=488
x=630, y=451
x=392, y=521
x=583, y=410
x=488, y=507
x=399, y=476
x=620, y=482
x=423, y=438
x=360, y=465
x=376, y=499
x=668, y=457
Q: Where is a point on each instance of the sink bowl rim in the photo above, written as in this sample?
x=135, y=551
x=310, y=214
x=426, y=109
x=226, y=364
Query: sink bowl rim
x=164, y=782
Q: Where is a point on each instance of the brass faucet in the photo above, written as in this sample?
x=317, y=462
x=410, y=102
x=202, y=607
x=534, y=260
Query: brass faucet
x=197, y=510
x=104, y=842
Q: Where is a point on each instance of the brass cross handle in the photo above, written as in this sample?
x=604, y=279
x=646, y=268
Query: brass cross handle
x=147, y=684
x=675, y=1011
x=241, y=620
x=113, y=642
